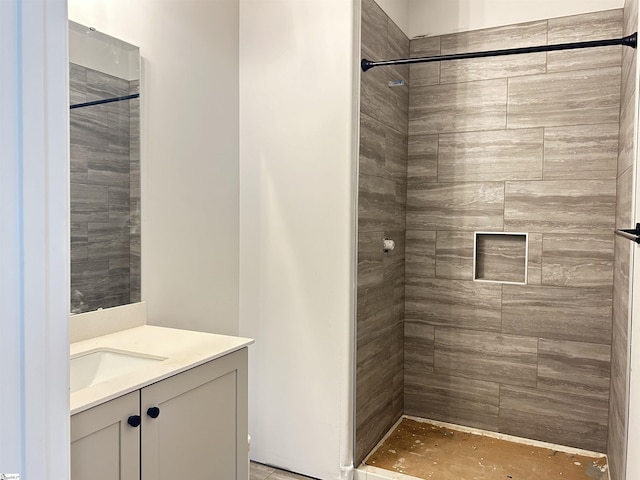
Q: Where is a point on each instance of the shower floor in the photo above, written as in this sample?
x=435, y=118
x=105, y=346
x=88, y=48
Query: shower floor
x=431, y=451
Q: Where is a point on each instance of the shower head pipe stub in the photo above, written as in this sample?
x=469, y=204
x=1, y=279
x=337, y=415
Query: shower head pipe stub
x=629, y=41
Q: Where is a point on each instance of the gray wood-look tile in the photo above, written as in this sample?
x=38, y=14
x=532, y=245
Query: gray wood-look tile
x=108, y=240
x=119, y=266
x=397, y=43
x=501, y=258
x=578, y=260
x=490, y=156
x=451, y=399
x=454, y=303
x=102, y=85
x=382, y=211
x=619, y=358
x=118, y=134
x=379, y=386
x=370, y=267
x=495, y=38
x=119, y=205
x=579, y=97
x=376, y=308
x=560, y=206
x=464, y=107
x=621, y=293
x=488, y=68
x=400, y=205
x=424, y=46
x=372, y=146
x=555, y=417
x=394, y=266
x=627, y=113
x=77, y=84
x=534, y=272
x=373, y=31
x=624, y=201
x=519, y=35
x=79, y=239
x=422, y=74
x=581, y=28
x=455, y=206
x=454, y=255
x=508, y=359
x=89, y=284
x=422, y=164
x=562, y=313
x=418, y=345
x=89, y=203
x=376, y=207
x=399, y=119
x=559, y=161
x=78, y=171
x=375, y=95
x=102, y=195
x=420, y=253
x=581, y=152
x=89, y=126
x=617, y=432
x=107, y=166
x=396, y=150
x=574, y=367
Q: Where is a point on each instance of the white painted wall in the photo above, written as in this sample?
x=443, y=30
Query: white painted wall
x=190, y=210
x=298, y=84
x=34, y=240
x=437, y=17
x=399, y=11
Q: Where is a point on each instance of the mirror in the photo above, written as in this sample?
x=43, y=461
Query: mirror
x=104, y=88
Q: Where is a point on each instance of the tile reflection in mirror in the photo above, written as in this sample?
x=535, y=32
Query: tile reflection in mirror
x=105, y=170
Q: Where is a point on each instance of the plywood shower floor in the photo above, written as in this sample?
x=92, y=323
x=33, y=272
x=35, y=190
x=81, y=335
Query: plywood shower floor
x=432, y=452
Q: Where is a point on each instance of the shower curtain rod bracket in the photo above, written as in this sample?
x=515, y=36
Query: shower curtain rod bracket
x=629, y=41
x=630, y=233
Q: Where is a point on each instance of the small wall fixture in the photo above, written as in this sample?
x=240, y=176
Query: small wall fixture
x=388, y=245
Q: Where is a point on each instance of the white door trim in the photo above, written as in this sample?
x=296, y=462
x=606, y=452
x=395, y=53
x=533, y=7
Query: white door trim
x=34, y=248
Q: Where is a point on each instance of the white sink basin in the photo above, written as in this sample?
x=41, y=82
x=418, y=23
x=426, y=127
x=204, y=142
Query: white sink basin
x=100, y=365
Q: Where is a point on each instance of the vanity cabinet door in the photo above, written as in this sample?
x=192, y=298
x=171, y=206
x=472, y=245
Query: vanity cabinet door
x=200, y=427
x=103, y=444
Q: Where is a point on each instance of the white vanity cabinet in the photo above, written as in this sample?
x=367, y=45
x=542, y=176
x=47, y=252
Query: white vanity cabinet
x=192, y=425
x=103, y=445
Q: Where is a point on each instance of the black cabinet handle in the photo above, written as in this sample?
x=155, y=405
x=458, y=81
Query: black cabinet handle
x=153, y=412
x=134, y=420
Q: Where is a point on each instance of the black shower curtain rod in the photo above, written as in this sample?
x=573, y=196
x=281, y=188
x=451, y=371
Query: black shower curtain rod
x=105, y=100
x=629, y=41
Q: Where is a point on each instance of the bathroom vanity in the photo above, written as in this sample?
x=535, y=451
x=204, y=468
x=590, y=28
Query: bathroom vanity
x=154, y=403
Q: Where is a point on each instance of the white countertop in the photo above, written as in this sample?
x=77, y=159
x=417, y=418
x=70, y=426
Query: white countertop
x=183, y=349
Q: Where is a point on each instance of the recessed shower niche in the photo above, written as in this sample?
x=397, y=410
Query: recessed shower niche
x=500, y=257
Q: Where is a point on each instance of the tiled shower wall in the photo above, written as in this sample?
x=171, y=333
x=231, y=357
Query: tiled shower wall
x=105, y=219
x=382, y=200
x=514, y=144
x=620, y=332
